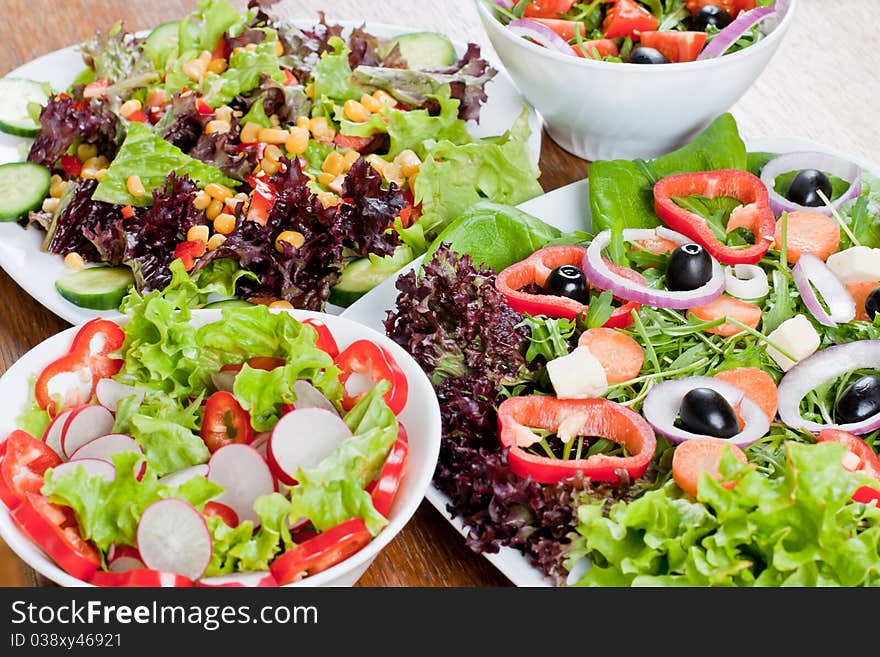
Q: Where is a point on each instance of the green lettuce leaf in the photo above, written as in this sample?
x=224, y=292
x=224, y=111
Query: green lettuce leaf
x=245, y=71
x=151, y=158
x=202, y=29
x=333, y=76
x=33, y=419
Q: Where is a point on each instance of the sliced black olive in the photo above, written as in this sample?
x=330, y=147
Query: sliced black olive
x=568, y=281
x=645, y=55
x=872, y=303
x=804, y=187
x=711, y=15
x=690, y=267
x=859, y=400
x=706, y=413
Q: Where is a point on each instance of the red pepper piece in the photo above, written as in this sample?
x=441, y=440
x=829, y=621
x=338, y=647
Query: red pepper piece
x=321, y=552
x=262, y=200
x=138, y=116
x=326, y=342
x=203, y=108
x=392, y=474
x=25, y=460
x=754, y=214
x=189, y=251
x=868, y=462
x=537, y=267
x=583, y=417
x=71, y=165
x=365, y=357
x=289, y=78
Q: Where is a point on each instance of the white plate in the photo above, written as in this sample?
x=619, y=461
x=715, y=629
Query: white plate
x=568, y=209
x=421, y=417
x=36, y=271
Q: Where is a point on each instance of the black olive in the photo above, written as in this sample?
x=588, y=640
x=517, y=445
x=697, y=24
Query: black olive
x=711, y=15
x=872, y=303
x=706, y=413
x=804, y=187
x=568, y=281
x=690, y=267
x=859, y=400
x=645, y=55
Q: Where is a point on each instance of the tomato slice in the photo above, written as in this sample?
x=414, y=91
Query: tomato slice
x=326, y=341
x=676, y=46
x=359, y=144
x=54, y=529
x=596, y=49
x=24, y=463
x=321, y=552
x=868, y=462
x=223, y=511
x=225, y=422
x=392, y=474
x=547, y=8
x=743, y=5
x=140, y=578
x=565, y=29
x=365, y=357
x=627, y=18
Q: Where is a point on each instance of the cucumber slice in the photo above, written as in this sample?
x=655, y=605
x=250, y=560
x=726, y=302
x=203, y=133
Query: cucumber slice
x=229, y=303
x=98, y=288
x=423, y=50
x=23, y=187
x=362, y=275
x=161, y=43
x=16, y=97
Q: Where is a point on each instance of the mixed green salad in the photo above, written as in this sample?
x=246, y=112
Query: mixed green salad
x=686, y=393
x=307, y=163
x=641, y=31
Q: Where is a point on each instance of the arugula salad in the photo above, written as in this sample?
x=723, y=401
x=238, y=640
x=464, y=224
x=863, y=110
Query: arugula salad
x=641, y=31
x=686, y=394
x=307, y=164
x=233, y=452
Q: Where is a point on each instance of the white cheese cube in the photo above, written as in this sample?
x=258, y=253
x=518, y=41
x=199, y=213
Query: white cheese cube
x=796, y=336
x=577, y=376
x=859, y=264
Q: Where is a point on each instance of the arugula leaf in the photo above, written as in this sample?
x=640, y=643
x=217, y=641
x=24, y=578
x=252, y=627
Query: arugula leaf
x=781, y=303
x=548, y=337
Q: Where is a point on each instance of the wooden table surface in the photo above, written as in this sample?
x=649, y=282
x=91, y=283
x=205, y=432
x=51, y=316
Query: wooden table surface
x=821, y=85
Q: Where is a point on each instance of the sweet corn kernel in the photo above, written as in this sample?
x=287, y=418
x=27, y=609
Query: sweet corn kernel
x=201, y=201
x=214, y=209
x=310, y=90
x=298, y=141
x=134, y=186
x=223, y=113
x=273, y=135
x=99, y=174
x=129, y=107
x=88, y=173
x=198, y=234
x=224, y=223
x=279, y=49
x=389, y=170
x=156, y=98
x=274, y=121
x=216, y=240
x=195, y=69
x=408, y=162
x=356, y=112
x=322, y=131
x=217, y=191
x=96, y=163
x=272, y=153
x=281, y=304
x=86, y=152
x=350, y=158
x=291, y=237
x=269, y=166
x=326, y=178
x=51, y=204
x=251, y=46
x=371, y=103
x=302, y=122
x=250, y=133
x=334, y=163
x=217, y=126
x=205, y=56
x=74, y=261
x=337, y=184
x=328, y=199
x=56, y=186
x=217, y=66
x=385, y=98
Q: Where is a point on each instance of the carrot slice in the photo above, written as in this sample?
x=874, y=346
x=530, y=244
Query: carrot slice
x=620, y=356
x=731, y=308
x=809, y=232
x=757, y=384
x=694, y=457
x=860, y=292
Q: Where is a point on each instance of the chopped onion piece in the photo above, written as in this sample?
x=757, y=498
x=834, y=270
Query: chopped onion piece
x=746, y=282
x=731, y=34
x=799, y=161
x=841, y=305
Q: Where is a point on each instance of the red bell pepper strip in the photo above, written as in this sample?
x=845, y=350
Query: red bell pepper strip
x=584, y=417
x=289, y=77
x=392, y=474
x=262, y=200
x=321, y=552
x=326, y=342
x=225, y=422
x=365, y=357
x=627, y=18
x=754, y=213
x=138, y=116
x=224, y=512
x=537, y=267
x=189, y=251
x=868, y=463
x=24, y=462
x=203, y=108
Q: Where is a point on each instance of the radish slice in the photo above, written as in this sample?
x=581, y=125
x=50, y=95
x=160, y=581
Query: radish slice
x=93, y=468
x=110, y=393
x=308, y=396
x=224, y=381
x=179, y=478
x=52, y=437
x=106, y=446
x=244, y=476
x=121, y=558
x=172, y=536
x=302, y=439
x=259, y=579
x=84, y=425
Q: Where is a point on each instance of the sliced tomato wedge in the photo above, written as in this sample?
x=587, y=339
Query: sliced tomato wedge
x=565, y=29
x=54, y=529
x=743, y=5
x=596, y=49
x=368, y=358
x=547, y=8
x=223, y=511
x=628, y=18
x=321, y=552
x=225, y=422
x=391, y=476
x=140, y=578
x=25, y=461
x=676, y=46
x=326, y=341
x=860, y=458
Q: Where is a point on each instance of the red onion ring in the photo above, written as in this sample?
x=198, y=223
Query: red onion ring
x=504, y=4
x=810, y=269
x=832, y=164
x=601, y=276
x=662, y=405
x=731, y=34
x=815, y=370
x=541, y=34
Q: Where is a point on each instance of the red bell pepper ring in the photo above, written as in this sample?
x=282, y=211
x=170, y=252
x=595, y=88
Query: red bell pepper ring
x=321, y=552
x=71, y=165
x=867, y=462
x=326, y=342
x=25, y=461
x=754, y=214
x=537, y=267
x=262, y=200
x=585, y=417
x=224, y=512
x=391, y=476
x=140, y=578
x=365, y=357
x=225, y=422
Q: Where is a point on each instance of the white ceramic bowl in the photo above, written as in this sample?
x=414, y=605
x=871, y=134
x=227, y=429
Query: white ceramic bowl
x=603, y=110
x=421, y=417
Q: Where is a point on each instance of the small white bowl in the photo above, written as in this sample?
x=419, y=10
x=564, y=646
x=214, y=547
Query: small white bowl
x=421, y=417
x=603, y=110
